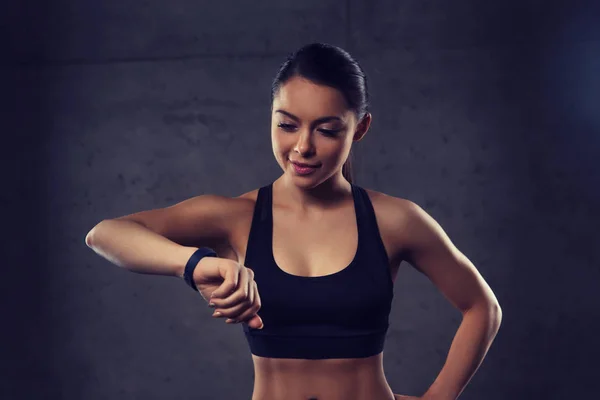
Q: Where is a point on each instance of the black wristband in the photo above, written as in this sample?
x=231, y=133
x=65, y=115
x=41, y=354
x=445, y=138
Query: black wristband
x=188, y=273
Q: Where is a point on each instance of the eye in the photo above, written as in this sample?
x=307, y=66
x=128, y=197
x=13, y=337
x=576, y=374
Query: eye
x=286, y=127
x=290, y=128
x=329, y=132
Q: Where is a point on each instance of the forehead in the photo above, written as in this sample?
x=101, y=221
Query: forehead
x=306, y=99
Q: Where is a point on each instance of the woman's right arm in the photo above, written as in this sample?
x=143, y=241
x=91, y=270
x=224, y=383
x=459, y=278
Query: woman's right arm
x=161, y=241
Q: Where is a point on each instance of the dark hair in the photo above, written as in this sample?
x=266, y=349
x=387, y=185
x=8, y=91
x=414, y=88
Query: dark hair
x=329, y=65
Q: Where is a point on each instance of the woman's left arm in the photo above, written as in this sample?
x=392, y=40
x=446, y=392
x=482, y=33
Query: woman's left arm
x=429, y=250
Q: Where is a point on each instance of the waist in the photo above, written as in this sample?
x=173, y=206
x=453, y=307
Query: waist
x=330, y=379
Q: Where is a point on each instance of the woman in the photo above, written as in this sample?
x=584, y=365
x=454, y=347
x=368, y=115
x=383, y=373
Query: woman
x=308, y=262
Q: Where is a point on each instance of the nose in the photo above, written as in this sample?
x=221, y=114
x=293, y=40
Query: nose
x=304, y=144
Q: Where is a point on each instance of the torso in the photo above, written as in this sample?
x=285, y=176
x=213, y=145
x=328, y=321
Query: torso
x=331, y=236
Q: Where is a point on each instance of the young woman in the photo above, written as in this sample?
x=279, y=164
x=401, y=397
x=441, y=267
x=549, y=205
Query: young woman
x=307, y=263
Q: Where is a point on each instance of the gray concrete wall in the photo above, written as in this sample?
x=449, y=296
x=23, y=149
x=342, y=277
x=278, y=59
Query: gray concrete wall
x=485, y=114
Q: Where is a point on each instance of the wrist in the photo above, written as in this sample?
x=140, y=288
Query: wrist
x=182, y=257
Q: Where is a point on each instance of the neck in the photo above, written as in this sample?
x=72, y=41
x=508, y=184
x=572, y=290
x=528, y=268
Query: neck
x=328, y=194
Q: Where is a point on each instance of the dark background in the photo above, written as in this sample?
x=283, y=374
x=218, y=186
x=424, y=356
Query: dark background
x=484, y=113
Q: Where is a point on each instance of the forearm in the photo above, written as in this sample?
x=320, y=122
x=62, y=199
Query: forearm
x=136, y=248
x=469, y=346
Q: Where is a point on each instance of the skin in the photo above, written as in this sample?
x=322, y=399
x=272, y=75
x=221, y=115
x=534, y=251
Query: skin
x=317, y=203
x=305, y=141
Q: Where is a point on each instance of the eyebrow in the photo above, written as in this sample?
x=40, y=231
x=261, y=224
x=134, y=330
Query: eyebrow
x=316, y=121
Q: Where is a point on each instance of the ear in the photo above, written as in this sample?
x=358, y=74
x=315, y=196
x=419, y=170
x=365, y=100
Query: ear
x=362, y=127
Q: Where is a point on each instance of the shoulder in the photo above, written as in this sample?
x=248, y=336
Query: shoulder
x=246, y=201
x=234, y=204
x=243, y=208
x=223, y=210
x=390, y=207
x=397, y=217
x=233, y=207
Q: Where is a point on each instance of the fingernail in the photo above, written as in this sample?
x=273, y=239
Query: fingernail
x=212, y=305
x=262, y=325
x=217, y=314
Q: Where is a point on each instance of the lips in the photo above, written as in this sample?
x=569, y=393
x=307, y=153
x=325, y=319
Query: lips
x=304, y=165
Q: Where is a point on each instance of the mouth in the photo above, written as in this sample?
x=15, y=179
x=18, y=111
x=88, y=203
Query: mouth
x=303, y=165
x=303, y=169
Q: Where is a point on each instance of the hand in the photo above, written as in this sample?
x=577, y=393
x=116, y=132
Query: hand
x=231, y=287
x=402, y=397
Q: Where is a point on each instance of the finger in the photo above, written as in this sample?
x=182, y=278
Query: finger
x=230, y=282
x=257, y=295
x=239, y=317
x=237, y=302
x=238, y=294
x=246, y=316
x=256, y=322
x=250, y=314
x=230, y=312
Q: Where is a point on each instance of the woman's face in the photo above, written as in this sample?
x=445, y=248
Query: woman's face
x=312, y=124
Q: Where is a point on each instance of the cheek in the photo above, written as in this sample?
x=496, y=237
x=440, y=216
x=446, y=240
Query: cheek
x=339, y=152
x=276, y=140
x=279, y=146
x=336, y=149
x=282, y=141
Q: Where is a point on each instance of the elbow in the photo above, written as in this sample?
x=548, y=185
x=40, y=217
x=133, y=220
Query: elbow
x=89, y=238
x=498, y=313
x=490, y=310
x=493, y=308
x=489, y=315
x=494, y=312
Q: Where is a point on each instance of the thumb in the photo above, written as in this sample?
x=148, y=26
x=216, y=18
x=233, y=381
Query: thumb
x=255, y=322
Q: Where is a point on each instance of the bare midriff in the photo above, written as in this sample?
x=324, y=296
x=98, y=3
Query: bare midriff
x=330, y=379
